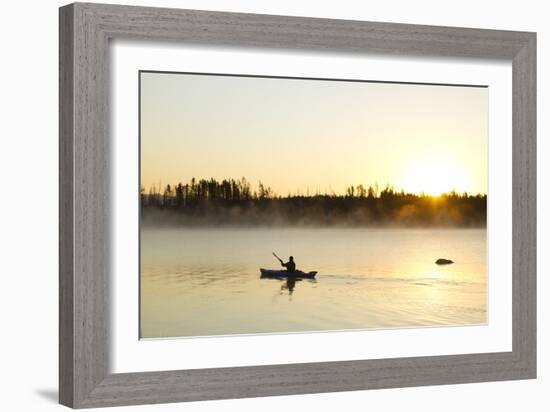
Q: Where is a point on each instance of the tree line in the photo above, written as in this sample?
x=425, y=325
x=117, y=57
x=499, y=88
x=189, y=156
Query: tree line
x=209, y=202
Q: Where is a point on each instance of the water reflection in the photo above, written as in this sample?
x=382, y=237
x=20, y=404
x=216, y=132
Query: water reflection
x=290, y=285
x=206, y=282
x=289, y=282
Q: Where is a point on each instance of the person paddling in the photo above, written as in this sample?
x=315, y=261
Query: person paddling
x=290, y=265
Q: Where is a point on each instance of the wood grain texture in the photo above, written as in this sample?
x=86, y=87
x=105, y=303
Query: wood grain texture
x=66, y=229
x=524, y=207
x=85, y=31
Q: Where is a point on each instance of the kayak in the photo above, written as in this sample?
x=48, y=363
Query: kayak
x=285, y=274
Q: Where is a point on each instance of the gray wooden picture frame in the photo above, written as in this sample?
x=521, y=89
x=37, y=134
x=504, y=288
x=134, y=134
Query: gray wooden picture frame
x=85, y=31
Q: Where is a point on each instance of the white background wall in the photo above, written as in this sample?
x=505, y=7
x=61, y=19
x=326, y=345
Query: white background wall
x=28, y=230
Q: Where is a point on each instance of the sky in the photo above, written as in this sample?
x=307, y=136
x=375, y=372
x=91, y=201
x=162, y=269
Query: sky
x=313, y=136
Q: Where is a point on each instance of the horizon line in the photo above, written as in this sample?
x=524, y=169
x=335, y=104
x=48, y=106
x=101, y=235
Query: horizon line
x=312, y=193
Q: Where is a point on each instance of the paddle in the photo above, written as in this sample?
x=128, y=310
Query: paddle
x=280, y=260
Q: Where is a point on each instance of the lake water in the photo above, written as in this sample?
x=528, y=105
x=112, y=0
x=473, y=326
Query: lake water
x=199, y=282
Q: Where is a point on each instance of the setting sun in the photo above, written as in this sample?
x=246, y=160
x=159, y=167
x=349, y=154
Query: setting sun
x=434, y=177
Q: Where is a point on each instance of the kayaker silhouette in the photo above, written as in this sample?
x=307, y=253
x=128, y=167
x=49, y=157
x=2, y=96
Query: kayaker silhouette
x=290, y=265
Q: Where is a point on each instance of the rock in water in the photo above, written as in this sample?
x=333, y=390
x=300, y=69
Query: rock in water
x=442, y=261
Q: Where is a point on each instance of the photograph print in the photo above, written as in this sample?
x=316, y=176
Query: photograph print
x=285, y=205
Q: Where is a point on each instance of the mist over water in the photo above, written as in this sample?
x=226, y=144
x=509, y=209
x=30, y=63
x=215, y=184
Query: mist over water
x=230, y=203
x=206, y=281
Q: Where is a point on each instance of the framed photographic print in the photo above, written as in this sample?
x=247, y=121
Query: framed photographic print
x=256, y=205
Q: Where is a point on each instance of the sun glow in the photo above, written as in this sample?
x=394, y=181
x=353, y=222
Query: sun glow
x=434, y=177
